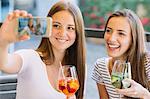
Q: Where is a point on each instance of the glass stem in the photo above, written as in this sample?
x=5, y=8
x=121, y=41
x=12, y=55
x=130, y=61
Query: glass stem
x=119, y=96
x=67, y=97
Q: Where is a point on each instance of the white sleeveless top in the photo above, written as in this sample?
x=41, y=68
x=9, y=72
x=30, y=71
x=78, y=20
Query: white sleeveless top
x=33, y=80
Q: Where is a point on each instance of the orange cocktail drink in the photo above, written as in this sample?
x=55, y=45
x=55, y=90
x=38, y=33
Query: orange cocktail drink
x=68, y=86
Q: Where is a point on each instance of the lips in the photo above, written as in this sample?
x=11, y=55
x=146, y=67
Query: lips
x=61, y=40
x=112, y=46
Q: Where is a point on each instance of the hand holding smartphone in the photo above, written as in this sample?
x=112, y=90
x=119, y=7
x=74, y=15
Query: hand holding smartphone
x=36, y=26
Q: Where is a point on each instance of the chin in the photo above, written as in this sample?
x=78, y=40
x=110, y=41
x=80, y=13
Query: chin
x=113, y=55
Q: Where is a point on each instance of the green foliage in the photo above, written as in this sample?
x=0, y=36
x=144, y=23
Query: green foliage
x=96, y=12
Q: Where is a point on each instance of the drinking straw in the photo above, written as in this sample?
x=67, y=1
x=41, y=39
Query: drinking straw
x=61, y=67
x=129, y=70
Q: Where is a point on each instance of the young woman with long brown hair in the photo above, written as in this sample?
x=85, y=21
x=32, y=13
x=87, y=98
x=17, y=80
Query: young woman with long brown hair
x=125, y=41
x=38, y=70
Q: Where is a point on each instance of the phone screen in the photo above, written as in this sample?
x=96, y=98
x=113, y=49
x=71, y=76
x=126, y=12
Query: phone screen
x=36, y=26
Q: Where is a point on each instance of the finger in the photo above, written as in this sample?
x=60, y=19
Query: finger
x=127, y=80
x=131, y=81
x=23, y=13
x=29, y=15
x=16, y=13
x=124, y=91
x=10, y=16
x=133, y=94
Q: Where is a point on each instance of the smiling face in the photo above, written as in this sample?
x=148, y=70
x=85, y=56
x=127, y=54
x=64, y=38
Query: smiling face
x=118, y=37
x=63, y=30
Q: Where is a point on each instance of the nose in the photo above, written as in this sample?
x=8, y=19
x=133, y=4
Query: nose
x=62, y=32
x=113, y=37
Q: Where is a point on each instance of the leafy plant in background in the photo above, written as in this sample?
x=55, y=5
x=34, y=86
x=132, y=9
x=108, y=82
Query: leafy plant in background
x=96, y=12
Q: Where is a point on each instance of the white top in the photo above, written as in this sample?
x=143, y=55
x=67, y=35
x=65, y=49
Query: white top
x=33, y=80
x=102, y=76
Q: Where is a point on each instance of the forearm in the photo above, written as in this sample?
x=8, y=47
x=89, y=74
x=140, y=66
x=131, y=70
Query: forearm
x=3, y=56
x=102, y=91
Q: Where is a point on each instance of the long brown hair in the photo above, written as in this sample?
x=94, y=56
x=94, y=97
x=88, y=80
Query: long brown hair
x=75, y=54
x=137, y=52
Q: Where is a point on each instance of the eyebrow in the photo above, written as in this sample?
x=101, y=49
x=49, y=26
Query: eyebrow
x=60, y=24
x=71, y=25
x=122, y=31
x=56, y=22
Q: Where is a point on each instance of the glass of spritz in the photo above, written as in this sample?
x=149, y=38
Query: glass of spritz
x=67, y=80
x=120, y=71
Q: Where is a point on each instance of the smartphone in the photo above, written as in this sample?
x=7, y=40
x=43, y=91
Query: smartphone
x=36, y=26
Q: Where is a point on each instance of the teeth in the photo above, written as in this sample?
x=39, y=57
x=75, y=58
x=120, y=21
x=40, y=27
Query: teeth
x=61, y=40
x=113, y=46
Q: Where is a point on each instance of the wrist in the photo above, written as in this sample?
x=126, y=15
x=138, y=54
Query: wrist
x=3, y=47
x=3, y=44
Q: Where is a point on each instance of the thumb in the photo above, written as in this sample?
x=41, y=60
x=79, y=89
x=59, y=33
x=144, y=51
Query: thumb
x=132, y=82
x=129, y=80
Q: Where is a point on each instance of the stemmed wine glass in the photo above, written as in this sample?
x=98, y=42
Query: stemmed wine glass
x=67, y=80
x=120, y=71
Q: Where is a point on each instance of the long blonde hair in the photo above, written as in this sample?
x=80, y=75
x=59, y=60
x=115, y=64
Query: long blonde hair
x=75, y=54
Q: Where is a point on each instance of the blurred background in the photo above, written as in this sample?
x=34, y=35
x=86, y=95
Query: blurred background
x=95, y=13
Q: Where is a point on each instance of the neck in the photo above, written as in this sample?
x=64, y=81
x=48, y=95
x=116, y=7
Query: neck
x=59, y=55
x=122, y=59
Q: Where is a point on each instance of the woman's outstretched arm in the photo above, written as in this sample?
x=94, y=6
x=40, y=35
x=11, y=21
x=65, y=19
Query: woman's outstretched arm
x=10, y=63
